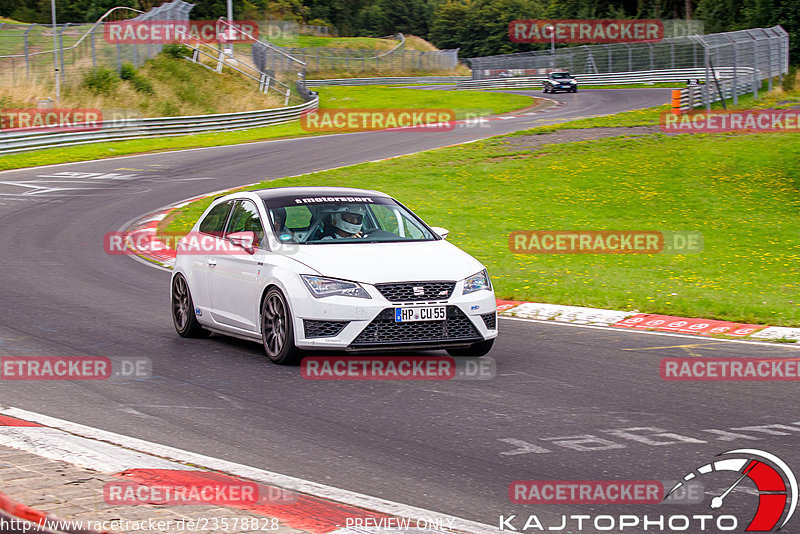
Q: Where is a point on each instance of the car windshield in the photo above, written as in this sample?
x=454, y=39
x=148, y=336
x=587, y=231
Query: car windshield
x=331, y=220
x=557, y=75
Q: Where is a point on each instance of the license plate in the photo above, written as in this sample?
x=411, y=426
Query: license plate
x=429, y=313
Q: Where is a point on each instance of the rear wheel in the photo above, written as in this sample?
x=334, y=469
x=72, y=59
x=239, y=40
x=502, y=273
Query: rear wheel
x=277, y=329
x=478, y=349
x=183, y=316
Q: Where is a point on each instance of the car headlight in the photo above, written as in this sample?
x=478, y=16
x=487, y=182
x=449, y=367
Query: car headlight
x=476, y=282
x=321, y=286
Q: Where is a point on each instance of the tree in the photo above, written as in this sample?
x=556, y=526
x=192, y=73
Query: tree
x=447, y=26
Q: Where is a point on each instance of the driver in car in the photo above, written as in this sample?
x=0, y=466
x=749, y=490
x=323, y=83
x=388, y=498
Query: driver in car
x=346, y=223
x=279, y=218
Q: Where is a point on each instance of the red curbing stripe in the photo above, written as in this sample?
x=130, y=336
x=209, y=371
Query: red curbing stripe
x=13, y=421
x=292, y=509
x=505, y=305
x=688, y=325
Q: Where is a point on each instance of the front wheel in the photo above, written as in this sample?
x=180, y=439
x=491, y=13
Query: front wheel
x=544, y=88
x=183, y=316
x=478, y=349
x=277, y=329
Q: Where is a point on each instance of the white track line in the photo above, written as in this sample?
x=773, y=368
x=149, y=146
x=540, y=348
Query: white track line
x=695, y=337
x=91, y=454
x=268, y=477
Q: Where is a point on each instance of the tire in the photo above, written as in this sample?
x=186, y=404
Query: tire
x=183, y=316
x=277, y=329
x=575, y=90
x=544, y=89
x=478, y=349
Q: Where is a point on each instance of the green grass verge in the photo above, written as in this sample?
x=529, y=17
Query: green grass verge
x=373, y=97
x=741, y=191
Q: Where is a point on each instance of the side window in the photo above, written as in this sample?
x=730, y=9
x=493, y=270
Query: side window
x=214, y=223
x=245, y=218
x=386, y=217
x=412, y=230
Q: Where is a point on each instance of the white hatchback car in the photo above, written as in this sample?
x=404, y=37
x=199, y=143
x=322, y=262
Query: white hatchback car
x=330, y=268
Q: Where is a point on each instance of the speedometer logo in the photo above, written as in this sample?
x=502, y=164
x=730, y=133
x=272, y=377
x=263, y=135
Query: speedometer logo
x=773, y=478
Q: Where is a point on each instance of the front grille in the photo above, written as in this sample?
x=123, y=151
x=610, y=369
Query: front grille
x=384, y=330
x=416, y=291
x=490, y=320
x=323, y=328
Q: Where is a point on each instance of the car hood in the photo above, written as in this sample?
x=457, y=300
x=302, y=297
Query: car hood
x=373, y=263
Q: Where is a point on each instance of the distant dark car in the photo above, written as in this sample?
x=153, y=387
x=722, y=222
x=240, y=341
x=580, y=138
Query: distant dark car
x=560, y=81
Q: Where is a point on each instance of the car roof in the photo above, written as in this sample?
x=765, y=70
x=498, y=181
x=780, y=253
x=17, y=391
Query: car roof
x=282, y=192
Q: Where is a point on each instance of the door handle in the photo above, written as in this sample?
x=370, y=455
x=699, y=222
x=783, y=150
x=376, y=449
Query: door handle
x=212, y=262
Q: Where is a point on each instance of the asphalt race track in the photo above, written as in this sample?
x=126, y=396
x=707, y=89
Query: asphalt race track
x=567, y=402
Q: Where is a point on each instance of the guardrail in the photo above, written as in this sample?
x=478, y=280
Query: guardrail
x=397, y=80
x=695, y=96
x=615, y=78
x=20, y=141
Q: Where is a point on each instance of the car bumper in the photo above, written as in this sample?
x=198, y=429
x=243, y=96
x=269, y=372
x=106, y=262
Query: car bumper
x=356, y=324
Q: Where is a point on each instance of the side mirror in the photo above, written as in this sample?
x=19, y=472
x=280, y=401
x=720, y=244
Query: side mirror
x=245, y=240
x=441, y=232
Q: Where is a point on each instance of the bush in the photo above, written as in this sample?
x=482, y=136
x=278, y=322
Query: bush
x=178, y=51
x=142, y=85
x=100, y=80
x=127, y=71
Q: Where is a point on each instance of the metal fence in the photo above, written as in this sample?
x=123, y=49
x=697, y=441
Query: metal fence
x=609, y=78
x=749, y=56
x=28, y=54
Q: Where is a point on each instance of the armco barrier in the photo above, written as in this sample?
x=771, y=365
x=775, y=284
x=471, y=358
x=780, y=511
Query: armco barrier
x=615, y=78
x=388, y=80
x=19, y=141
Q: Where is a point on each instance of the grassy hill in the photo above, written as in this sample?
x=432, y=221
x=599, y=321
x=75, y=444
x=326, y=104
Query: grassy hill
x=164, y=86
